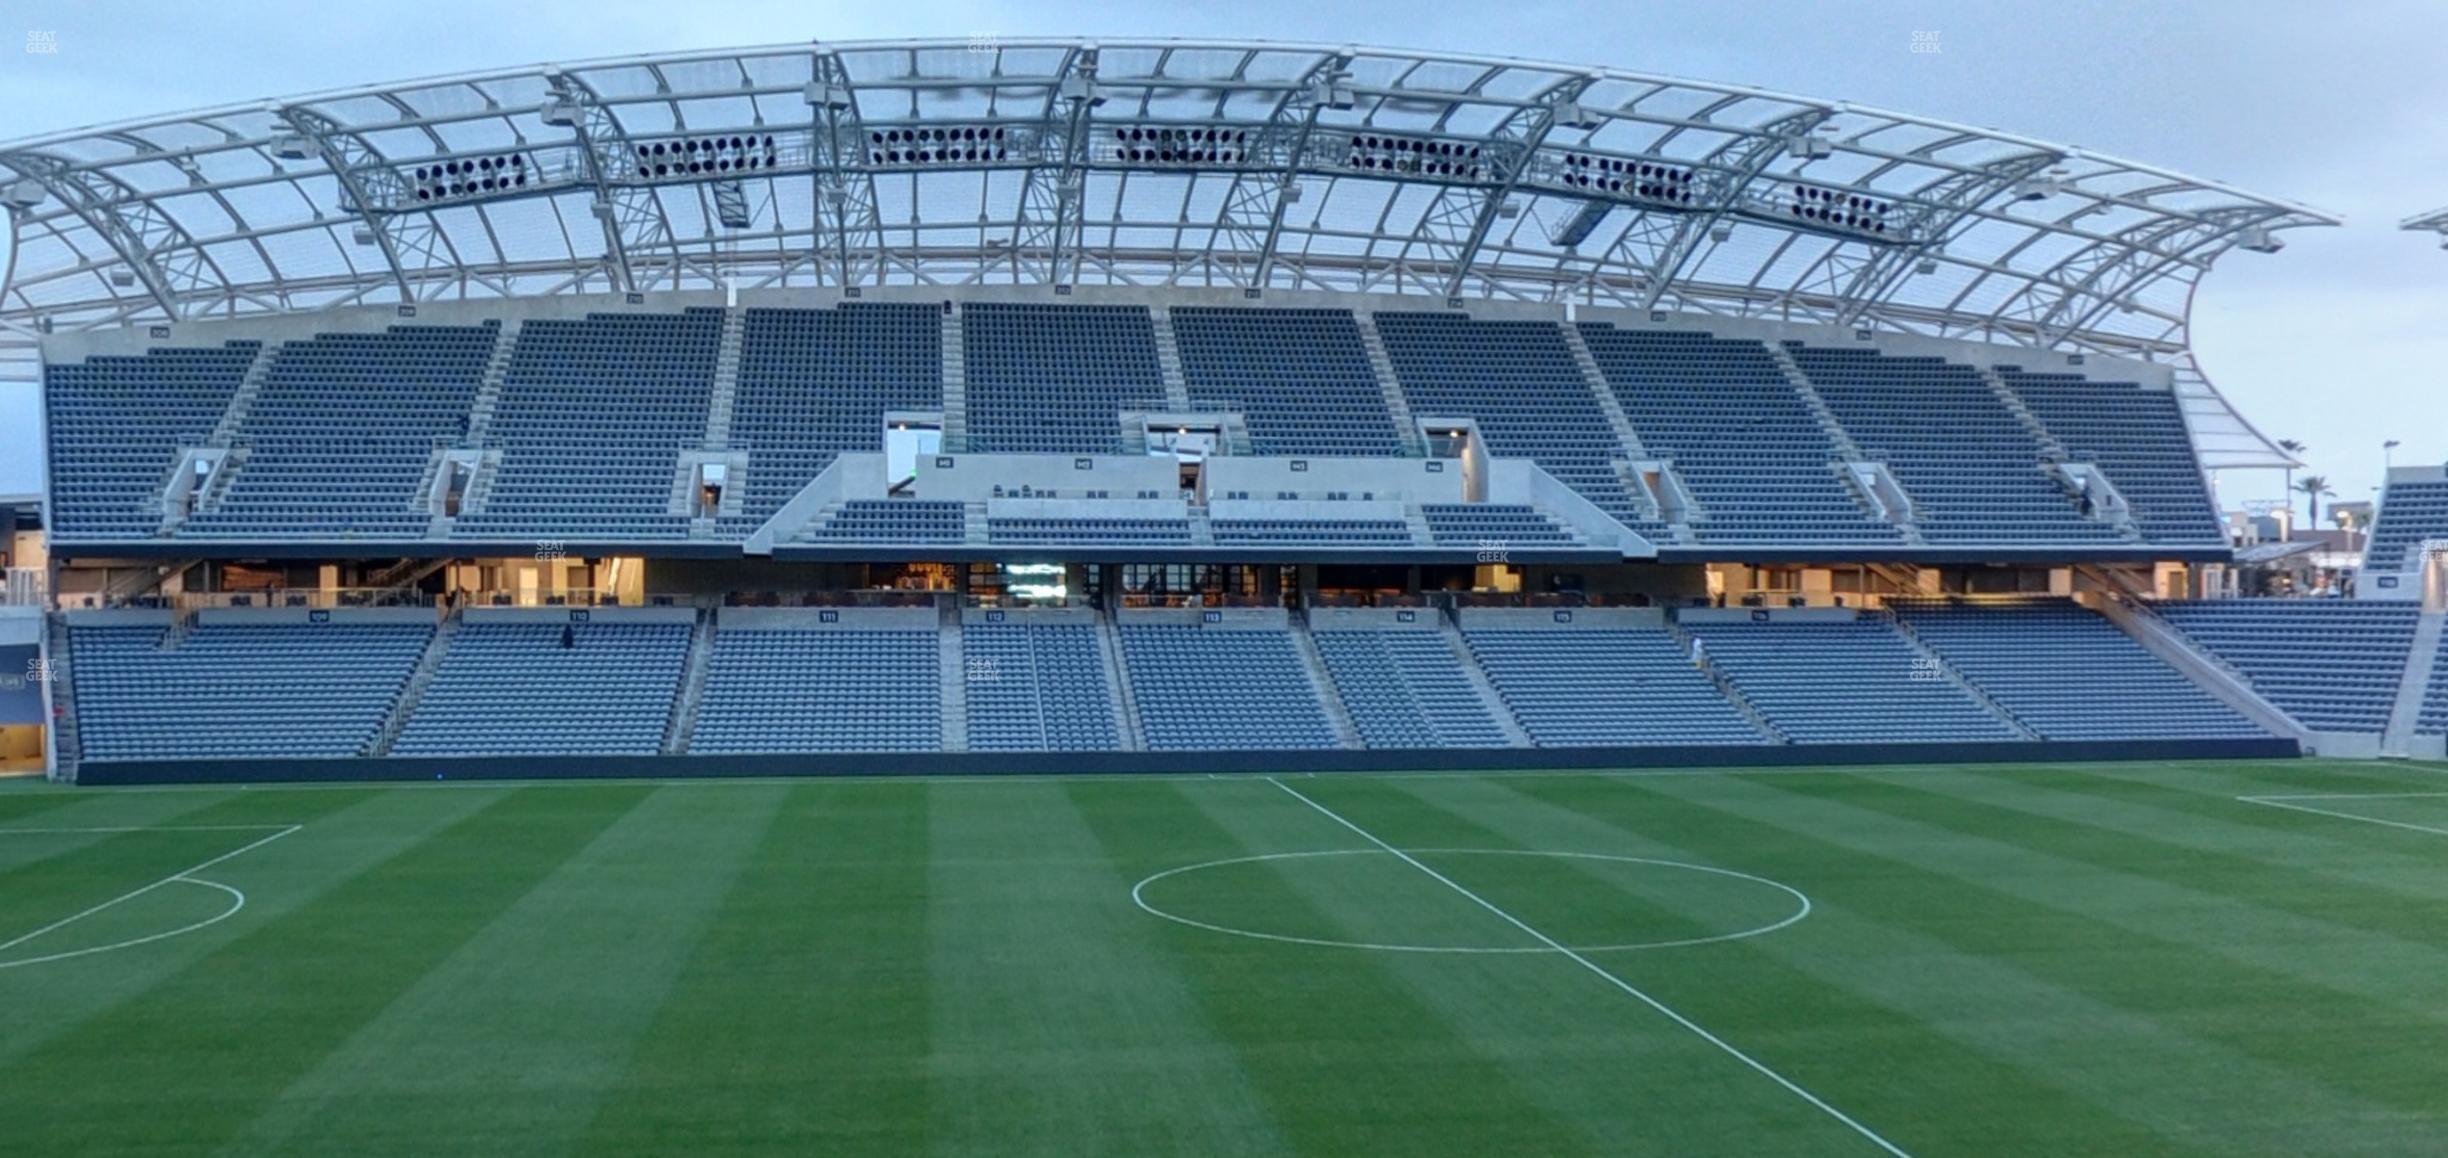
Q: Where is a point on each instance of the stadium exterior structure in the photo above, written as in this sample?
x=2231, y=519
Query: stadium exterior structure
x=1397, y=410
x=2436, y=221
x=1151, y=164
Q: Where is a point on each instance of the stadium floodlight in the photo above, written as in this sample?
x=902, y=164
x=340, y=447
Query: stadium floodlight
x=2258, y=239
x=1078, y=87
x=25, y=194
x=292, y=147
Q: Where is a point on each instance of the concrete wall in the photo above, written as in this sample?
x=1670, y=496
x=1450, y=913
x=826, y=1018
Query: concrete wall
x=270, y=616
x=1212, y=618
x=1560, y=618
x=580, y=615
x=816, y=619
x=71, y=346
x=1374, y=618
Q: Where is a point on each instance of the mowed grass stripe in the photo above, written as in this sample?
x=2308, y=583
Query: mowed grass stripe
x=183, y=1067
x=1629, y=1073
x=799, y=1024
x=1347, y=1055
x=2377, y=996
x=511, y=1042
x=2107, y=825
x=2135, y=1022
x=1057, y=1029
x=1822, y=999
x=366, y=829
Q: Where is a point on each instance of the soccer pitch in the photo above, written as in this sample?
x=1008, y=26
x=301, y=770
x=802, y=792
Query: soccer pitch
x=2211, y=959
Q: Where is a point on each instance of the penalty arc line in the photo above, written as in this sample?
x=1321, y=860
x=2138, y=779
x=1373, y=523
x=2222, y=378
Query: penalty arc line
x=1577, y=958
x=183, y=875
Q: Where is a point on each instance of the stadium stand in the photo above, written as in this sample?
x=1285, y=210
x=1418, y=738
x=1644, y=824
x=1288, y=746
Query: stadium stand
x=117, y=425
x=1973, y=471
x=1043, y=532
x=1606, y=686
x=1850, y=681
x=1406, y=689
x=893, y=521
x=1054, y=379
x=1300, y=377
x=343, y=430
x=592, y=419
x=2411, y=511
x=1037, y=687
x=2138, y=437
x=513, y=689
x=274, y=690
x=1203, y=689
x=1472, y=524
x=2066, y=672
x=1740, y=437
x=2332, y=664
x=1313, y=532
x=799, y=690
x=816, y=383
x=1519, y=382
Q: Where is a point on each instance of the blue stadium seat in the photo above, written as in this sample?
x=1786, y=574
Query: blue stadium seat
x=1606, y=687
x=783, y=690
x=511, y=689
x=274, y=690
x=2332, y=664
x=2067, y=673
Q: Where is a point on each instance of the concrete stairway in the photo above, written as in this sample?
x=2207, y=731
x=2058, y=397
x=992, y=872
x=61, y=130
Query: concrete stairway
x=683, y=723
x=952, y=665
x=1168, y=360
x=955, y=385
x=428, y=665
x=1492, y=699
x=2398, y=739
x=1801, y=383
x=1117, y=681
x=1347, y=734
x=1390, y=386
x=1927, y=660
x=726, y=381
x=1602, y=393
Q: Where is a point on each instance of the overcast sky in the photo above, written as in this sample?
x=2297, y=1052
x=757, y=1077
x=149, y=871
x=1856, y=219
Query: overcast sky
x=2339, y=341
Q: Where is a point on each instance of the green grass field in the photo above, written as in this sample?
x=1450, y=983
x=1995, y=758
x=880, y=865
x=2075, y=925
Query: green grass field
x=1930, y=961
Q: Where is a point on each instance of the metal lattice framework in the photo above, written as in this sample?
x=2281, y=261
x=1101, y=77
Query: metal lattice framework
x=2435, y=221
x=1134, y=163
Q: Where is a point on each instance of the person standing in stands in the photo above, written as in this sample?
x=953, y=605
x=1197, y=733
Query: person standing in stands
x=1699, y=653
x=569, y=636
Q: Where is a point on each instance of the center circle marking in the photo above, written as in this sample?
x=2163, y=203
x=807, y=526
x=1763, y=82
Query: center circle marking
x=1802, y=903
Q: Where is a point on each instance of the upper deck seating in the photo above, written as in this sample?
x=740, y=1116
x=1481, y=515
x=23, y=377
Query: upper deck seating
x=2138, y=437
x=117, y=425
x=1737, y=433
x=1973, y=472
x=1300, y=377
x=592, y=418
x=1052, y=379
x=814, y=384
x=344, y=429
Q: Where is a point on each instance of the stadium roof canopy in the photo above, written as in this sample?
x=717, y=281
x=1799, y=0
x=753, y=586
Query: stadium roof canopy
x=2436, y=221
x=1147, y=163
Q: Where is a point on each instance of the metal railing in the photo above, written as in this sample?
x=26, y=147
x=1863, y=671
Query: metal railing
x=25, y=587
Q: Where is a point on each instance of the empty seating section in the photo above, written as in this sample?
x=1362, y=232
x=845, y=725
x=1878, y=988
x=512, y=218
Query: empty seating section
x=1519, y=381
x=1494, y=524
x=2067, y=673
x=280, y=690
x=1850, y=682
x=834, y=690
x=1606, y=687
x=2138, y=437
x=1406, y=689
x=512, y=689
x=1042, y=532
x=1037, y=687
x=1055, y=379
x=1199, y=689
x=117, y=425
x=2410, y=512
x=1300, y=377
x=2432, y=719
x=1313, y=533
x=343, y=430
x=2332, y=664
x=817, y=383
x=1738, y=434
x=892, y=521
x=592, y=418
x=1971, y=468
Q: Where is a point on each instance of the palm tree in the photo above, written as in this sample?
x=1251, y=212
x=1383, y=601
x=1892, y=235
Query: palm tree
x=2313, y=487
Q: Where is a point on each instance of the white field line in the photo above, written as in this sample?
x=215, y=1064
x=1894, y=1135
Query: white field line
x=1611, y=979
x=2262, y=796
x=2287, y=802
x=184, y=876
